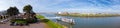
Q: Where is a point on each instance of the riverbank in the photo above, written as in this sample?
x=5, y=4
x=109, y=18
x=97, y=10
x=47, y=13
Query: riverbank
x=50, y=23
x=86, y=22
x=88, y=14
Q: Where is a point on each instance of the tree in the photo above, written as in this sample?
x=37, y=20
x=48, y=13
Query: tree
x=12, y=11
x=29, y=14
x=27, y=9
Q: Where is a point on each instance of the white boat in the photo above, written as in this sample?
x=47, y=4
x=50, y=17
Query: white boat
x=71, y=21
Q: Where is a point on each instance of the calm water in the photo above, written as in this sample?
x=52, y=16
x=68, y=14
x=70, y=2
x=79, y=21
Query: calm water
x=90, y=22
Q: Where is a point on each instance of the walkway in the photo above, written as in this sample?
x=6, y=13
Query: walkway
x=37, y=25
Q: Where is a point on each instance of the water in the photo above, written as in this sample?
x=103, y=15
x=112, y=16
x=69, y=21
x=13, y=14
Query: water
x=90, y=22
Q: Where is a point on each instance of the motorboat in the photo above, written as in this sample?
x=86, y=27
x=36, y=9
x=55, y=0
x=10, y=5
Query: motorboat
x=71, y=21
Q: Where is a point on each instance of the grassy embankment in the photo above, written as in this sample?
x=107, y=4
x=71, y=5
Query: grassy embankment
x=90, y=15
x=50, y=23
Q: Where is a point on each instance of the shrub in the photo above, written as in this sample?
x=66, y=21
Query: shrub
x=45, y=20
x=19, y=22
x=31, y=20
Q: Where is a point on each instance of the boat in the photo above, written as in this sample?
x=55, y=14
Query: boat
x=71, y=21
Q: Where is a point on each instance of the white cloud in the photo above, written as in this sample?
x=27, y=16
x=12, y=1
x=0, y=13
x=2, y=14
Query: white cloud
x=4, y=4
x=45, y=5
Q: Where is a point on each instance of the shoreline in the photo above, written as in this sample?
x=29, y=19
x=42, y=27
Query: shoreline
x=88, y=14
x=50, y=23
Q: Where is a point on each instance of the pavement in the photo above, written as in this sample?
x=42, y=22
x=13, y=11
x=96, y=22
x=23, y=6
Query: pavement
x=36, y=25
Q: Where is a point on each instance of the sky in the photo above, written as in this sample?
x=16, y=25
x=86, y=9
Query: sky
x=112, y=6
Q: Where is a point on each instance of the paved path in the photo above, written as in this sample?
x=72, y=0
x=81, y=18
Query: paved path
x=37, y=25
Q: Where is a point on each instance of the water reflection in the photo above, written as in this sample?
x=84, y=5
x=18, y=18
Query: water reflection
x=90, y=22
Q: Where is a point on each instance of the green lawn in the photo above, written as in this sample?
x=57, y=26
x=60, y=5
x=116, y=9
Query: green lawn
x=21, y=22
x=50, y=23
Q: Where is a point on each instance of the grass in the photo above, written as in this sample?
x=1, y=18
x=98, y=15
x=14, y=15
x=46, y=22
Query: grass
x=19, y=22
x=40, y=16
x=50, y=23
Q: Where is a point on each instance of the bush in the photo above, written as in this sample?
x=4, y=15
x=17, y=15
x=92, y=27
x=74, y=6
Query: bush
x=45, y=20
x=14, y=20
x=19, y=22
x=31, y=20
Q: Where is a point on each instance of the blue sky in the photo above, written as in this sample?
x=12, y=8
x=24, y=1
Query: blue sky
x=64, y=5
